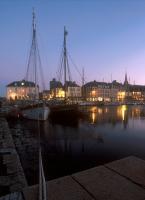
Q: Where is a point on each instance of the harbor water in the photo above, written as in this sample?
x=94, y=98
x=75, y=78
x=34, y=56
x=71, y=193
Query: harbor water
x=106, y=133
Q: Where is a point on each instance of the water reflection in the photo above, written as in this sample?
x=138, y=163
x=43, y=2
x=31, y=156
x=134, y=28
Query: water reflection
x=106, y=134
x=112, y=114
x=93, y=114
x=115, y=114
x=123, y=110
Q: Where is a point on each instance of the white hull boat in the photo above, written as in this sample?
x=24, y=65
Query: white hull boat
x=36, y=113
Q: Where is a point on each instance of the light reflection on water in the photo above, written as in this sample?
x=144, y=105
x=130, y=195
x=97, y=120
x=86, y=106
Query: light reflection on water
x=105, y=134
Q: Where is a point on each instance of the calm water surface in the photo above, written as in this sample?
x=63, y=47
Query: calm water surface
x=105, y=134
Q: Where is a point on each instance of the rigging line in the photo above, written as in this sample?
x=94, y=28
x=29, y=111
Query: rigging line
x=29, y=60
x=59, y=64
x=40, y=63
x=40, y=68
x=74, y=65
x=32, y=62
x=30, y=51
x=58, y=73
x=35, y=64
x=60, y=67
x=68, y=69
x=41, y=46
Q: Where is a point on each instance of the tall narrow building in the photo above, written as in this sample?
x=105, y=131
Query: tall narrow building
x=126, y=84
x=126, y=81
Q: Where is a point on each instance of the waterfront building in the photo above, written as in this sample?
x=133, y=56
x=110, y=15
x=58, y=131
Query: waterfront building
x=101, y=91
x=57, y=93
x=73, y=91
x=46, y=94
x=112, y=92
x=121, y=95
x=57, y=90
x=135, y=93
x=55, y=84
x=19, y=90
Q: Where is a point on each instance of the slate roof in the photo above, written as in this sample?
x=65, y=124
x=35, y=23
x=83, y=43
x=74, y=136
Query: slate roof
x=22, y=83
x=71, y=84
x=96, y=84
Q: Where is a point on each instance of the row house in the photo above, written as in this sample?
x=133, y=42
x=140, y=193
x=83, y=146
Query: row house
x=101, y=91
x=135, y=93
x=73, y=91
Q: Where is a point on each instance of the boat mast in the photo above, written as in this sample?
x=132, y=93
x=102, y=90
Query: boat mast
x=31, y=74
x=34, y=47
x=65, y=61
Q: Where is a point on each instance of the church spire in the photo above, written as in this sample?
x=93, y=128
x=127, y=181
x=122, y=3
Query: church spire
x=126, y=81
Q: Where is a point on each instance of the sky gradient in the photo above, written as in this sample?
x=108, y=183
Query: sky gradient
x=104, y=37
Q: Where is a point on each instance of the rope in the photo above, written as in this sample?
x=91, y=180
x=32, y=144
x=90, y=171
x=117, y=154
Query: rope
x=75, y=65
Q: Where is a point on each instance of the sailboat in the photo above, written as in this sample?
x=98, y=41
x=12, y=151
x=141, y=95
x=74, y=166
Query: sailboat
x=35, y=110
x=64, y=112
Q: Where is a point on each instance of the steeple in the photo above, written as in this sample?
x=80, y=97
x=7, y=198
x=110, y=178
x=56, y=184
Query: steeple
x=126, y=81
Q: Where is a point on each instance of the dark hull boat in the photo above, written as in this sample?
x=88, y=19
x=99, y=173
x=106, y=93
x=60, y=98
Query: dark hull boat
x=65, y=114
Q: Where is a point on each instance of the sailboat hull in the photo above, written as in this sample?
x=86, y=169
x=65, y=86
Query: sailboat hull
x=64, y=114
x=36, y=113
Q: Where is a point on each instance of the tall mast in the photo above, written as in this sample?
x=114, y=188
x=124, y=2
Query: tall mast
x=65, y=59
x=33, y=60
x=34, y=46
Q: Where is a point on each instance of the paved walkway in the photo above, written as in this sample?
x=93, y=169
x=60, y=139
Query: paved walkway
x=119, y=180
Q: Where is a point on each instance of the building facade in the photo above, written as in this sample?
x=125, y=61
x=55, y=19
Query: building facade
x=19, y=90
x=73, y=92
x=56, y=90
x=135, y=93
x=70, y=90
x=101, y=91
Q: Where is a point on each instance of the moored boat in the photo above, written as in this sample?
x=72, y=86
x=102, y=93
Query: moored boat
x=36, y=112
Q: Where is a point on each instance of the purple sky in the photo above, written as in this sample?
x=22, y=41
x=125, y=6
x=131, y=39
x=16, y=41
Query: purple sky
x=105, y=37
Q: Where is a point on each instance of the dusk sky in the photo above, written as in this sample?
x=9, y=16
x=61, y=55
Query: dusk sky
x=104, y=37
